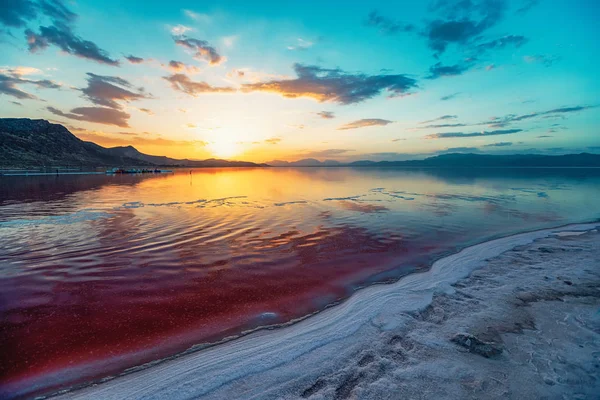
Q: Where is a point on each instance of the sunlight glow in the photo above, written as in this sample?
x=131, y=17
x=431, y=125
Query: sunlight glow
x=224, y=149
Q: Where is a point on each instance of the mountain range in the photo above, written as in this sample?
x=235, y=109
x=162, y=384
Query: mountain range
x=26, y=143
x=461, y=160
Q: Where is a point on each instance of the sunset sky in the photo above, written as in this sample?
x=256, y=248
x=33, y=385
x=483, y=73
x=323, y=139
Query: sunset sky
x=344, y=80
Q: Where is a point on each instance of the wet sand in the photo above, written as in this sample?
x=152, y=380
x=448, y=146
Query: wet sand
x=516, y=317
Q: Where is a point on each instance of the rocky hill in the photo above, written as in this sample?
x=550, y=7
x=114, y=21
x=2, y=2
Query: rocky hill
x=38, y=143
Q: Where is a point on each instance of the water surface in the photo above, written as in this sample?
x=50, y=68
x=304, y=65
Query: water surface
x=102, y=273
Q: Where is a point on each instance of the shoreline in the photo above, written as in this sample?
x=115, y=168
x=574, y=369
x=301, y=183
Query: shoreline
x=296, y=339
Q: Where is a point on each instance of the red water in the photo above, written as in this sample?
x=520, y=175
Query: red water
x=104, y=274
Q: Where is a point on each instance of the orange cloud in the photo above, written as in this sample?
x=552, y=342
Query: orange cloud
x=183, y=83
x=201, y=48
x=178, y=66
x=334, y=85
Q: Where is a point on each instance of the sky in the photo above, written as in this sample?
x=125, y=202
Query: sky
x=341, y=80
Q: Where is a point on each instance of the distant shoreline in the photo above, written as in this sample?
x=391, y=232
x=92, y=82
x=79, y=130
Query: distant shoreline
x=70, y=171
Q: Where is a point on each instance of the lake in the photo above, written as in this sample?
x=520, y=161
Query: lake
x=102, y=273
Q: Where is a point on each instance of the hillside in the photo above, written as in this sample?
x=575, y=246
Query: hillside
x=38, y=143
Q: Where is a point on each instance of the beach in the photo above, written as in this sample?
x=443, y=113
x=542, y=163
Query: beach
x=515, y=317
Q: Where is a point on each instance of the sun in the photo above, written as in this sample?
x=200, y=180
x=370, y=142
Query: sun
x=224, y=149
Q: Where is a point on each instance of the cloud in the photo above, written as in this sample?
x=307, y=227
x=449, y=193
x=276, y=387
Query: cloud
x=197, y=16
x=301, y=44
x=17, y=13
x=499, y=144
x=17, y=103
x=326, y=114
x=107, y=90
x=441, y=33
x=201, y=49
x=9, y=85
x=510, y=118
x=438, y=126
x=183, y=83
x=100, y=115
x=134, y=60
x=449, y=96
x=398, y=140
x=20, y=70
x=146, y=110
x=544, y=136
x=274, y=140
x=178, y=30
x=178, y=66
x=57, y=11
x=442, y=118
x=334, y=85
x=361, y=123
x=461, y=21
x=229, y=41
x=510, y=40
x=526, y=6
x=63, y=37
x=454, y=22
x=472, y=134
x=548, y=61
x=438, y=70
x=387, y=25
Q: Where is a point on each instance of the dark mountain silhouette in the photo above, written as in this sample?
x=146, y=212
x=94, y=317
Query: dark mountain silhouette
x=307, y=162
x=28, y=142
x=461, y=160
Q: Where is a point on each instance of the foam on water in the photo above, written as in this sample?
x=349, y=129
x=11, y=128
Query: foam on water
x=66, y=219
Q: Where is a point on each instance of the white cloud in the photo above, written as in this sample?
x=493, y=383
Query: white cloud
x=229, y=41
x=180, y=29
x=20, y=70
x=301, y=44
x=197, y=16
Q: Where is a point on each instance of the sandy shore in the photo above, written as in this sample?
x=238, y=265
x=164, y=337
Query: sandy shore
x=516, y=317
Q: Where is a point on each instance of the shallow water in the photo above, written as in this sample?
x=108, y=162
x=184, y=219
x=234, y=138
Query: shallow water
x=101, y=273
